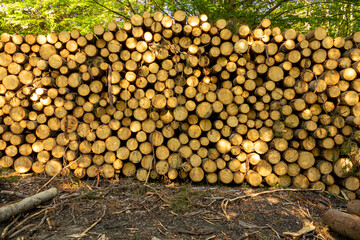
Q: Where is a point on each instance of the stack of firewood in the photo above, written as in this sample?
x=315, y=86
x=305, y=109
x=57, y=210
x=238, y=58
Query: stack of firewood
x=178, y=98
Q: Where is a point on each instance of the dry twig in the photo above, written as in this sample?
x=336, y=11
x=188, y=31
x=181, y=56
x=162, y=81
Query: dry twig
x=271, y=191
x=194, y=233
x=5, y=231
x=277, y=234
x=224, y=204
x=22, y=230
x=25, y=220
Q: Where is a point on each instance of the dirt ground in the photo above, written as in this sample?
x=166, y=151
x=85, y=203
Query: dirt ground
x=128, y=209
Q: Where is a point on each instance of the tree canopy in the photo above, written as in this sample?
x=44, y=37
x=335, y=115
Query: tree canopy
x=339, y=17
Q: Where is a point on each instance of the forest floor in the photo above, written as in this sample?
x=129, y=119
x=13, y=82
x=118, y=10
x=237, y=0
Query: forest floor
x=128, y=209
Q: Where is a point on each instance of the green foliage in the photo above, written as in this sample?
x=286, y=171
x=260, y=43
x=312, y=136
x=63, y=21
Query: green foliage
x=340, y=18
x=183, y=200
x=76, y=184
x=90, y=195
x=137, y=237
x=13, y=179
x=141, y=191
x=350, y=149
x=180, y=202
x=33, y=16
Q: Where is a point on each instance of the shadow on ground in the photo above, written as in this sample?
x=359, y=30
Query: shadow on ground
x=128, y=209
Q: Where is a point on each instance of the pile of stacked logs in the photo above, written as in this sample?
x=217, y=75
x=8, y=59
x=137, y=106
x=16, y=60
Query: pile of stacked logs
x=179, y=98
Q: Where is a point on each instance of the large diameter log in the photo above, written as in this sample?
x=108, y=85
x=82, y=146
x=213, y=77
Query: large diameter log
x=204, y=110
x=306, y=159
x=226, y=176
x=343, y=223
x=353, y=207
x=11, y=82
x=317, y=34
x=301, y=181
x=350, y=98
x=26, y=204
x=46, y=51
x=56, y=61
x=196, y=174
x=343, y=167
x=253, y=178
x=53, y=167
x=275, y=73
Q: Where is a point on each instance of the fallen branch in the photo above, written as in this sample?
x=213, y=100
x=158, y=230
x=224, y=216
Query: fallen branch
x=157, y=194
x=194, y=233
x=272, y=191
x=248, y=225
x=20, y=195
x=124, y=210
x=211, y=237
x=26, y=204
x=7, y=231
x=22, y=230
x=37, y=227
x=22, y=223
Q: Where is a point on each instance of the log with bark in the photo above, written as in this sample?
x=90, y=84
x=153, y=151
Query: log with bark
x=344, y=223
x=6, y=212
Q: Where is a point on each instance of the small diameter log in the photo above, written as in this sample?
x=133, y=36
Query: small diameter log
x=343, y=223
x=351, y=183
x=26, y=204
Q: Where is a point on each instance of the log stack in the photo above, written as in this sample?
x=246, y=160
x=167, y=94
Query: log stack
x=178, y=98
